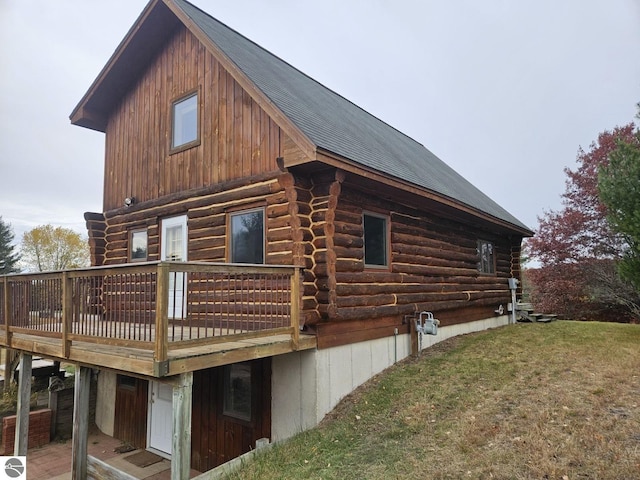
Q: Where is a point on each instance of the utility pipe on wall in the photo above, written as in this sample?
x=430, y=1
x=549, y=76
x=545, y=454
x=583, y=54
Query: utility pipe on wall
x=513, y=286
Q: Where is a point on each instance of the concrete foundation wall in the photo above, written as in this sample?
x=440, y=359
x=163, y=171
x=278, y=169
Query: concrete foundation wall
x=464, y=328
x=308, y=385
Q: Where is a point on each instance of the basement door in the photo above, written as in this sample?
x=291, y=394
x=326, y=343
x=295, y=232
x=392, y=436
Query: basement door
x=174, y=248
x=160, y=421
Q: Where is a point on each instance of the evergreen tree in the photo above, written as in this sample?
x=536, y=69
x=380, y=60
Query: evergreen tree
x=8, y=257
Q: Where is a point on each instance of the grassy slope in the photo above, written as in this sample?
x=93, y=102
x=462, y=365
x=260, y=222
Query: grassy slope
x=529, y=401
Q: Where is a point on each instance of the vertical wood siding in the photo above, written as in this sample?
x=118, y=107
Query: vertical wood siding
x=221, y=438
x=238, y=139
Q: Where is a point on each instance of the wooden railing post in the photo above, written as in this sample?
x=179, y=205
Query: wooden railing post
x=295, y=307
x=67, y=313
x=7, y=312
x=162, y=314
x=8, y=356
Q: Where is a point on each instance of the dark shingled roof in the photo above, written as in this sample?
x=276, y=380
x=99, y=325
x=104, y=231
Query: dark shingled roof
x=337, y=125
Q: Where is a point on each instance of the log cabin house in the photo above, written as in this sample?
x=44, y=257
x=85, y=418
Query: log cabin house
x=265, y=248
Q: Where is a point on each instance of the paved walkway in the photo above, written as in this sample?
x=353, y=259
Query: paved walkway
x=53, y=461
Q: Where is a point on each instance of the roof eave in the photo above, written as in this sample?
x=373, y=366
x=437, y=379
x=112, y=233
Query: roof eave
x=128, y=60
x=337, y=161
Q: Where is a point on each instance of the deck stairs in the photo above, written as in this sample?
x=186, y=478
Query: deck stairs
x=526, y=313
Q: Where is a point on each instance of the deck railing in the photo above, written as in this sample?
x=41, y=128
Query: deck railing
x=155, y=305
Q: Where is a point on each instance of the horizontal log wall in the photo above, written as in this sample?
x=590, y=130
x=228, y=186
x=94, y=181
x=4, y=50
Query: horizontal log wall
x=237, y=138
x=207, y=210
x=433, y=267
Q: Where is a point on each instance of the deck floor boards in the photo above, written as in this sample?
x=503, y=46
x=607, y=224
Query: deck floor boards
x=140, y=360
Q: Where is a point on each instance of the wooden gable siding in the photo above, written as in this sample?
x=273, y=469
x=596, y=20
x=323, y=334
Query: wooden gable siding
x=237, y=138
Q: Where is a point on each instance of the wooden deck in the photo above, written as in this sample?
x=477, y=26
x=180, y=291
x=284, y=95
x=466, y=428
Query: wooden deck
x=155, y=319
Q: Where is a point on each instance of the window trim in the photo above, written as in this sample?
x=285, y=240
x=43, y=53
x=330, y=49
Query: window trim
x=387, y=241
x=132, y=233
x=193, y=143
x=125, y=382
x=492, y=263
x=228, y=411
x=230, y=230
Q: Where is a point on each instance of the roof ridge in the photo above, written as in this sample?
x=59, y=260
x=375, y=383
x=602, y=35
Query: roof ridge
x=335, y=124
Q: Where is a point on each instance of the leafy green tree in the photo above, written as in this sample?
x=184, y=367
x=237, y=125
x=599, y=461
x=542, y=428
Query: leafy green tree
x=8, y=257
x=46, y=248
x=619, y=190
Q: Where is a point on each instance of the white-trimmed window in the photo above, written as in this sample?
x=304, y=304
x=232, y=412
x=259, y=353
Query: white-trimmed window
x=184, y=125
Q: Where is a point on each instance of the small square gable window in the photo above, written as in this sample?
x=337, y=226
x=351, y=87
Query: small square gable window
x=185, y=131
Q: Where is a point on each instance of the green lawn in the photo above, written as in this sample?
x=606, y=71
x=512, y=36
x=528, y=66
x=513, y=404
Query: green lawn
x=528, y=401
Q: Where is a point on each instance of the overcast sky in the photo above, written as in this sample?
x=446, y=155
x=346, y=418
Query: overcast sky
x=503, y=91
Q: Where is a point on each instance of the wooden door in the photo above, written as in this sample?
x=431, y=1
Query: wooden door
x=231, y=410
x=130, y=418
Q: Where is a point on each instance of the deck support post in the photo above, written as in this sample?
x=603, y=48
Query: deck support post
x=24, y=395
x=80, y=423
x=181, y=443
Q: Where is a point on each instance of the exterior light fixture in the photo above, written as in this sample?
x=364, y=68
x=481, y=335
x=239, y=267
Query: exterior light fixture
x=129, y=201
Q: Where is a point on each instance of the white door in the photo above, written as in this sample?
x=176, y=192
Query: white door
x=160, y=421
x=174, y=248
